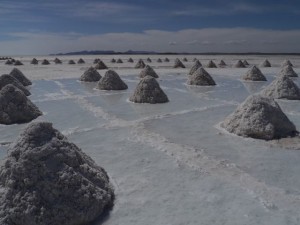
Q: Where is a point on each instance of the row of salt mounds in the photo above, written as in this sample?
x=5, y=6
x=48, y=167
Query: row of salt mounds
x=259, y=117
x=140, y=64
x=6, y=79
x=201, y=77
x=148, y=91
x=45, y=179
x=282, y=87
x=111, y=81
x=288, y=71
x=197, y=64
x=17, y=74
x=90, y=75
x=265, y=63
x=178, y=64
x=254, y=74
x=15, y=107
x=100, y=65
x=239, y=64
x=148, y=71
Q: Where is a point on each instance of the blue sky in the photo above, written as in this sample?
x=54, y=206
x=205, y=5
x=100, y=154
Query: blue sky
x=43, y=27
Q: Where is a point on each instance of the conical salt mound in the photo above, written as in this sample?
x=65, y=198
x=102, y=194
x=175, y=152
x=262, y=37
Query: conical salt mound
x=259, y=117
x=246, y=63
x=149, y=60
x=81, y=61
x=8, y=62
x=6, y=79
x=90, y=75
x=239, y=64
x=148, y=71
x=100, y=66
x=96, y=61
x=71, y=62
x=119, y=61
x=184, y=60
x=34, y=61
x=222, y=63
x=112, y=60
x=45, y=179
x=159, y=60
x=254, y=74
x=130, y=60
x=166, y=60
x=265, y=63
x=195, y=59
x=286, y=63
x=111, y=81
x=201, y=77
x=288, y=71
x=45, y=62
x=13, y=60
x=15, y=107
x=57, y=61
x=18, y=63
x=148, y=91
x=17, y=74
x=211, y=64
x=140, y=64
x=196, y=66
x=178, y=64
x=282, y=87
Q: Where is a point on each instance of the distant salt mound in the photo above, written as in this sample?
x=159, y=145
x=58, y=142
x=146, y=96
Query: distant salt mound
x=90, y=75
x=211, y=64
x=286, y=63
x=80, y=61
x=282, y=87
x=246, y=62
x=15, y=107
x=254, y=74
x=96, y=61
x=265, y=63
x=196, y=66
x=113, y=60
x=140, y=64
x=222, y=63
x=34, y=61
x=45, y=62
x=201, y=78
x=149, y=60
x=184, y=59
x=166, y=60
x=195, y=59
x=159, y=60
x=13, y=60
x=130, y=60
x=45, y=179
x=71, y=62
x=8, y=62
x=148, y=71
x=288, y=71
x=178, y=64
x=17, y=74
x=57, y=61
x=259, y=117
x=119, y=61
x=239, y=64
x=148, y=91
x=111, y=81
x=6, y=79
x=100, y=66
x=18, y=63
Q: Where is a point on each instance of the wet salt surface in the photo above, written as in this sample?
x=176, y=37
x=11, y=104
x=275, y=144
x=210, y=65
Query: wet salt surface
x=169, y=163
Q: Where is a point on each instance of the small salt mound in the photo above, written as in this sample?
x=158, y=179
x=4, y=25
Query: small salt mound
x=201, y=78
x=119, y=61
x=159, y=60
x=166, y=60
x=149, y=60
x=149, y=91
x=71, y=62
x=246, y=63
x=13, y=60
x=286, y=63
x=130, y=60
x=265, y=63
x=8, y=62
x=254, y=74
x=18, y=63
x=259, y=117
x=17, y=74
x=288, y=71
x=90, y=75
x=45, y=179
x=34, y=61
x=140, y=64
x=45, y=62
x=211, y=64
x=148, y=71
x=184, y=60
x=111, y=81
x=96, y=61
x=15, y=107
x=282, y=87
x=112, y=60
x=178, y=64
x=6, y=79
x=196, y=66
x=239, y=64
x=57, y=61
x=195, y=59
x=100, y=66
x=81, y=61
x=222, y=63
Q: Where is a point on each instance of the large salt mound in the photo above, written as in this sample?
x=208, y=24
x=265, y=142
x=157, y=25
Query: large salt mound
x=47, y=180
x=17, y=74
x=148, y=71
x=201, y=77
x=254, y=74
x=100, y=66
x=286, y=63
x=211, y=64
x=90, y=75
x=111, y=81
x=282, y=87
x=195, y=66
x=239, y=64
x=6, y=79
x=288, y=71
x=265, y=63
x=259, y=117
x=140, y=64
x=178, y=64
x=148, y=91
x=15, y=107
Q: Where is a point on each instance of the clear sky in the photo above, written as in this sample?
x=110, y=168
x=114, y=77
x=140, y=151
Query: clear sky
x=44, y=26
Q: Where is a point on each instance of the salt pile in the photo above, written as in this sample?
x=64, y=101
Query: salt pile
x=90, y=75
x=184, y=59
x=265, y=63
x=71, y=62
x=246, y=63
x=8, y=62
x=57, y=61
x=34, y=61
x=178, y=64
x=140, y=64
x=100, y=66
x=45, y=62
x=148, y=91
x=130, y=60
x=112, y=60
x=201, y=77
x=211, y=64
x=259, y=117
x=239, y=64
x=222, y=63
x=149, y=60
x=96, y=61
x=15, y=107
x=81, y=61
x=148, y=71
x=286, y=63
x=254, y=74
x=119, y=61
x=166, y=60
x=288, y=71
x=196, y=66
x=195, y=59
x=111, y=81
x=282, y=87
x=6, y=79
x=17, y=74
x=18, y=63
x=45, y=179
x=159, y=60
